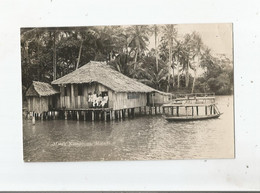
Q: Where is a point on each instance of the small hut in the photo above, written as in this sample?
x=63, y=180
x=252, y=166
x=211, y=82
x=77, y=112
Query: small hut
x=159, y=98
x=97, y=79
x=41, y=97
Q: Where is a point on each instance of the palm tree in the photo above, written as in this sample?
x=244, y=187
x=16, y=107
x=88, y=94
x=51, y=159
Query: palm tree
x=147, y=72
x=138, y=39
x=155, y=29
x=170, y=34
x=179, y=55
x=187, y=47
x=197, y=47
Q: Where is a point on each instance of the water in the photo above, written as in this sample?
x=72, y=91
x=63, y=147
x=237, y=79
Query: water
x=141, y=138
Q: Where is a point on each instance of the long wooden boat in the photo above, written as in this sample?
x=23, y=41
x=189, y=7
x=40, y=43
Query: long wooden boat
x=190, y=109
x=191, y=118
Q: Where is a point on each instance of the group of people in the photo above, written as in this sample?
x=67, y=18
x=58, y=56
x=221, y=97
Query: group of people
x=97, y=101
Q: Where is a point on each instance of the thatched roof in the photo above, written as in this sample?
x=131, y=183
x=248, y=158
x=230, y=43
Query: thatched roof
x=102, y=73
x=41, y=89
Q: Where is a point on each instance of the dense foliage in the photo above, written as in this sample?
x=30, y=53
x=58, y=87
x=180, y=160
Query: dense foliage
x=172, y=65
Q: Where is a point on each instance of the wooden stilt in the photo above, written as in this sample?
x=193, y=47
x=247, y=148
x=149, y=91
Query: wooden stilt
x=206, y=110
x=186, y=111
x=110, y=115
x=77, y=115
x=93, y=116
x=116, y=114
x=121, y=114
x=197, y=108
x=33, y=120
x=113, y=115
x=155, y=110
x=65, y=115
x=172, y=110
x=211, y=109
x=105, y=115
x=126, y=112
x=84, y=115
x=192, y=111
x=99, y=115
x=140, y=110
x=177, y=111
x=133, y=112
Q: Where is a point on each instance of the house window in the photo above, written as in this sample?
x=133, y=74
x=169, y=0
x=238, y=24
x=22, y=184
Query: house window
x=80, y=90
x=132, y=95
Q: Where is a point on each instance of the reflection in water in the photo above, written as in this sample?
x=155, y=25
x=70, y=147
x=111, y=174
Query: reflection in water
x=141, y=138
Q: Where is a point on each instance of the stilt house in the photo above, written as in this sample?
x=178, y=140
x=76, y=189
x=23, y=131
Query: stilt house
x=41, y=97
x=99, y=80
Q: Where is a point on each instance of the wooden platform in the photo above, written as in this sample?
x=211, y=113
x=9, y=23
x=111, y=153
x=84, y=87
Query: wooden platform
x=85, y=109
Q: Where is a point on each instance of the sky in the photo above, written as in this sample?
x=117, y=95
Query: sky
x=218, y=37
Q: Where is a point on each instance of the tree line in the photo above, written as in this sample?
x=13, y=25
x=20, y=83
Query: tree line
x=172, y=65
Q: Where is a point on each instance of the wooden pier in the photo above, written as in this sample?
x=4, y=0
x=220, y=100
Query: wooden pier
x=96, y=114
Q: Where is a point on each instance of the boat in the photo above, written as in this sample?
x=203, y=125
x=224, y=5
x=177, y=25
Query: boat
x=191, y=107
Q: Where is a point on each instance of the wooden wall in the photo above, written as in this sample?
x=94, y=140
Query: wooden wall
x=121, y=101
x=39, y=104
x=75, y=101
x=159, y=99
x=116, y=100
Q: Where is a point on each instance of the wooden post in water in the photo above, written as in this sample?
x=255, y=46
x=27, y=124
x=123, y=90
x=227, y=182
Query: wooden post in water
x=197, y=108
x=105, y=115
x=126, y=112
x=84, y=115
x=33, y=119
x=177, y=111
x=93, y=116
x=206, y=110
x=110, y=115
x=77, y=115
x=99, y=115
x=121, y=114
x=65, y=115
x=113, y=115
x=192, y=111
x=118, y=114
x=211, y=109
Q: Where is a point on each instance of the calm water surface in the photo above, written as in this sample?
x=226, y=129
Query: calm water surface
x=141, y=138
